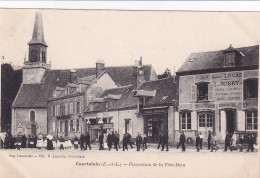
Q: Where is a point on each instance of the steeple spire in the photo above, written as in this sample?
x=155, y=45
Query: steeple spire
x=38, y=35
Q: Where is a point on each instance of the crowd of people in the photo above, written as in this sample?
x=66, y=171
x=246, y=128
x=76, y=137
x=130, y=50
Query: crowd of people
x=112, y=140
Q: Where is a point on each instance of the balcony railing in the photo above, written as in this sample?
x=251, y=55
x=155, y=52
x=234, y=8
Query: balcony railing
x=36, y=64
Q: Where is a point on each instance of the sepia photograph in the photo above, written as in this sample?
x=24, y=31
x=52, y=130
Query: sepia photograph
x=129, y=93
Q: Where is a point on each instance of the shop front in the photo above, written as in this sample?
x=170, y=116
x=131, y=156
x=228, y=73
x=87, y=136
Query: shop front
x=155, y=122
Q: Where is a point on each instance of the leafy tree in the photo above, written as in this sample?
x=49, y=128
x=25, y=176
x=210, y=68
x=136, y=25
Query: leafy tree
x=166, y=74
x=10, y=83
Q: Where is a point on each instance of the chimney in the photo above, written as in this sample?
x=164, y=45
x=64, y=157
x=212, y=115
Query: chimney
x=100, y=67
x=138, y=73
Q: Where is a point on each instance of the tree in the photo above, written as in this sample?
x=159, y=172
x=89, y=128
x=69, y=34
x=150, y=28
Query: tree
x=10, y=83
x=166, y=74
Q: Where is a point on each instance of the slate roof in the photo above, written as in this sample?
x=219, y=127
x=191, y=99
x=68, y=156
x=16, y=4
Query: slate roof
x=246, y=57
x=126, y=99
x=166, y=91
x=37, y=95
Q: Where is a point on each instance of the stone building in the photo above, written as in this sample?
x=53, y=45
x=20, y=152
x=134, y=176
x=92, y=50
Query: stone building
x=218, y=92
x=29, y=109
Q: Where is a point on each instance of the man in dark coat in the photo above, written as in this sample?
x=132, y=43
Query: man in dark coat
x=76, y=142
x=109, y=141
x=227, y=142
x=101, y=141
x=165, y=141
x=125, y=141
x=113, y=139
x=197, y=143
x=138, y=142
x=183, y=141
x=30, y=142
x=129, y=140
x=251, y=142
x=116, y=140
x=88, y=141
x=159, y=140
x=82, y=142
x=61, y=141
x=209, y=139
x=18, y=142
x=24, y=141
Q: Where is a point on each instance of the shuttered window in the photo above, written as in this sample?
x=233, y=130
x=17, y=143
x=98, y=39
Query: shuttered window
x=71, y=108
x=211, y=91
x=193, y=92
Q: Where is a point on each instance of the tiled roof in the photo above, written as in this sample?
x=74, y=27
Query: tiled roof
x=37, y=95
x=126, y=99
x=247, y=56
x=166, y=91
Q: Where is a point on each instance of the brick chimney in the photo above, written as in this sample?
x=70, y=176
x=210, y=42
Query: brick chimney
x=138, y=73
x=100, y=67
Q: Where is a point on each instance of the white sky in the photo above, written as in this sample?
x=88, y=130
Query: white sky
x=78, y=38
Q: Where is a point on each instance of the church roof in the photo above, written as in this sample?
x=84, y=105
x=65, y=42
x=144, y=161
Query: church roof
x=247, y=57
x=38, y=35
x=37, y=95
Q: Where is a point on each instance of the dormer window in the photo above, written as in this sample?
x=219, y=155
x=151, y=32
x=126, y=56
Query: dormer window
x=229, y=59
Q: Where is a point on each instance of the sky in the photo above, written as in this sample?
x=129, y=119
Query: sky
x=79, y=38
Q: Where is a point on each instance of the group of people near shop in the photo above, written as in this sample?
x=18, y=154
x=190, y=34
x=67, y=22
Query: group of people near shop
x=113, y=142
x=230, y=142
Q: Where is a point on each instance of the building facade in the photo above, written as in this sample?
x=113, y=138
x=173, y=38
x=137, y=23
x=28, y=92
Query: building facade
x=218, y=92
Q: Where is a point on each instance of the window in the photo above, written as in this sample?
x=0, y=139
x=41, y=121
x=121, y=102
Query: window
x=62, y=109
x=229, y=59
x=66, y=108
x=110, y=120
x=53, y=111
x=185, y=120
x=127, y=125
x=71, y=126
x=202, y=93
x=71, y=108
x=205, y=119
x=77, y=126
x=78, y=107
x=251, y=120
x=32, y=116
x=53, y=127
x=251, y=88
x=141, y=103
x=58, y=110
x=60, y=127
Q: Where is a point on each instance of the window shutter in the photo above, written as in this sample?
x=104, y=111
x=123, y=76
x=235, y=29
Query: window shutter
x=80, y=106
x=66, y=108
x=211, y=91
x=59, y=126
x=55, y=110
x=193, y=92
x=241, y=120
x=63, y=126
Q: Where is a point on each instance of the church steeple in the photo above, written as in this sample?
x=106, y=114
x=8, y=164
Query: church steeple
x=38, y=35
x=37, y=45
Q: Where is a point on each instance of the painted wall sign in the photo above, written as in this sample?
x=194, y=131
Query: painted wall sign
x=227, y=105
x=202, y=78
x=204, y=106
x=228, y=86
x=185, y=107
x=155, y=111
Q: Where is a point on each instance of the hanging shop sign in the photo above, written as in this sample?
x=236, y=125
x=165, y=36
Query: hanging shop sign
x=155, y=111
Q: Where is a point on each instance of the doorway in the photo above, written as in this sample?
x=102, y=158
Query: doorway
x=230, y=117
x=33, y=130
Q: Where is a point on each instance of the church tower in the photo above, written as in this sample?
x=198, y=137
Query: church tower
x=36, y=65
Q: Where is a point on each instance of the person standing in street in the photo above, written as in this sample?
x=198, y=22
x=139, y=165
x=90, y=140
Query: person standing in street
x=129, y=141
x=165, y=141
x=201, y=140
x=241, y=143
x=82, y=142
x=138, y=142
x=116, y=140
x=197, y=143
x=209, y=139
x=87, y=141
x=251, y=142
x=159, y=140
x=76, y=142
x=101, y=141
x=214, y=143
x=125, y=141
x=233, y=141
x=183, y=141
x=109, y=141
x=145, y=141
x=227, y=142
x=24, y=141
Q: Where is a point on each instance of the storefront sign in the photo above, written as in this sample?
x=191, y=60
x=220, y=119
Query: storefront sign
x=250, y=104
x=94, y=126
x=104, y=126
x=108, y=126
x=228, y=86
x=155, y=111
x=202, y=78
x=204, y=106
x=227, y=105
x=185, y=107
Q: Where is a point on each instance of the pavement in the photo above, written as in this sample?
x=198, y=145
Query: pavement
x=41, y=163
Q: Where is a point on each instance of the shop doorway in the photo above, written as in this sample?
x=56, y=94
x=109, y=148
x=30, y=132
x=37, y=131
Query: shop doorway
x=230, y=117
x=155, y=126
